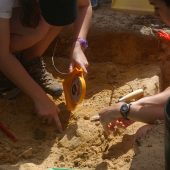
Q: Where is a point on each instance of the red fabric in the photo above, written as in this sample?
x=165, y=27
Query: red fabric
x=162, y=34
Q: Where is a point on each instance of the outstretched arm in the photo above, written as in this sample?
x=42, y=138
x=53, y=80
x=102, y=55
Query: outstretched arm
x=147, y=109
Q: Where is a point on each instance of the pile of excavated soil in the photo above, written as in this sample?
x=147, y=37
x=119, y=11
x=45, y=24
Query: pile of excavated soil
x=124, y=56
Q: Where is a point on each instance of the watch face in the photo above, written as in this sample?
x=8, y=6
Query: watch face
x=124, y=110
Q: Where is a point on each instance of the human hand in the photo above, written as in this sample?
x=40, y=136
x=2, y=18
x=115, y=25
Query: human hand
x=109, y=114
x=78, y=59
x=110, y=118
x=49, y=110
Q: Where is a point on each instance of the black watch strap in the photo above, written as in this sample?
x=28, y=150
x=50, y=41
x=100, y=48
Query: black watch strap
x=124, y=110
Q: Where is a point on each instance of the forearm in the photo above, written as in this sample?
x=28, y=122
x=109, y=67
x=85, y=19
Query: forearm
x=83, y=20
x=12, y=68
x=149, y=109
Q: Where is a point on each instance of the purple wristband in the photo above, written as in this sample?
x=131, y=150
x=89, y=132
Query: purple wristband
x=83, y=42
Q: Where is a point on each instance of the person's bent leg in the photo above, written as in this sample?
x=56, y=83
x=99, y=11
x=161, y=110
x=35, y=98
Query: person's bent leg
x=32, y=43
x=39, y=48
x=35, y=65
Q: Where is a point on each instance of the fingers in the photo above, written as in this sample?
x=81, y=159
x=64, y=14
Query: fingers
x=86, y=64
x=53, y=116
x=71, y=68
x=79, y=64
x=57, y=120
x=112, y=126
x=58, y=123
x=84, y=69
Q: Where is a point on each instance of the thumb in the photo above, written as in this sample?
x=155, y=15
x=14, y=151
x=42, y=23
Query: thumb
x=71, y=67
x=58, y=123
x=84, y=68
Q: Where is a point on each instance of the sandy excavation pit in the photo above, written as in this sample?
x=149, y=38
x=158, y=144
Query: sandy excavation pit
x=122, y=59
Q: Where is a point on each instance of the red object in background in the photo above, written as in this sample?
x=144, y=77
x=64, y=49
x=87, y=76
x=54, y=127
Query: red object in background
x=162, y=34
x=7, y=132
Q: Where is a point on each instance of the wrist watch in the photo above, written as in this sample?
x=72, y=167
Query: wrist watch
x=83, y=42
x=124, y=110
